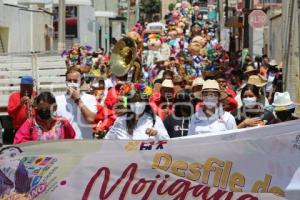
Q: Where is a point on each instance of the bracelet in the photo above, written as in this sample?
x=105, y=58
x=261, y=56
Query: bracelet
x=77, y=100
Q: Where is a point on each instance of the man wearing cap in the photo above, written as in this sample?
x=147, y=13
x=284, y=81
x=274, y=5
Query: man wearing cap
x=19, y=103
x=211, y=118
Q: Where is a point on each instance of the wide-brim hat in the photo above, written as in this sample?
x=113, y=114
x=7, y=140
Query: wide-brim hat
x=167, y=83
x=282, y=101
x=211, y=86
x=198, y=82
x=256, y=80
x=250, y=69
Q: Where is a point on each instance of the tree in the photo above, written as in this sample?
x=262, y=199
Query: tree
x=151, y=7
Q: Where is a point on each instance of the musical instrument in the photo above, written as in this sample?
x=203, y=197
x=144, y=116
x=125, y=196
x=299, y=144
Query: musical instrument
x=29, y=105
x=124, y=60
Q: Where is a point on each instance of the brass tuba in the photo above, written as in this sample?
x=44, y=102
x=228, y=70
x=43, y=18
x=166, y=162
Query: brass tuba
x=124, y=61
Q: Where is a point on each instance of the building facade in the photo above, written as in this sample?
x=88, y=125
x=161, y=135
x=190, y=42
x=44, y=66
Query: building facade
x=23, y=29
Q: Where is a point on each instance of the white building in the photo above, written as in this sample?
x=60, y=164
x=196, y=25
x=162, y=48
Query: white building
x=28, y=25
x=23, y=29
x=84, y=17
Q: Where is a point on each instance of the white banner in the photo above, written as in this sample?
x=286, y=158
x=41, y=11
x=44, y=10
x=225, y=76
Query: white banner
x=251, y=164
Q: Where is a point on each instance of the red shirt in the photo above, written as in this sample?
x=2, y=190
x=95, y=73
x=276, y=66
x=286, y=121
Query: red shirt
x=231, y=92
x=105, y=116
x=157, y=106
x=230, y=104
x=17, y=112
x=112, y=98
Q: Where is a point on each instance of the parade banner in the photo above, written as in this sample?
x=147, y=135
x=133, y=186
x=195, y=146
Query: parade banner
x=250, y=164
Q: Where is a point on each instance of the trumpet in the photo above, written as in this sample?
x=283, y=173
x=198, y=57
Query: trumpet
x=28, y=105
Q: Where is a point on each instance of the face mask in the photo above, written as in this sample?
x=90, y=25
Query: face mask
x=138, y=107
x=210, y=101
x=44, y=114
x=250, y=102
x=73, y=85
x=185, y=110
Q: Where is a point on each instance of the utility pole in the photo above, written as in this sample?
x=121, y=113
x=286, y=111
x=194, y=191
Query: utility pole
x=105, y=30
x=221, y=19
x=61, y=25
x=246, y=24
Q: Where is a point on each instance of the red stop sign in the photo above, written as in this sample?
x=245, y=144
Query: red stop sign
x=258, y=19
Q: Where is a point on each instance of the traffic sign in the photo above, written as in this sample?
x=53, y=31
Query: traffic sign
x=258, y=19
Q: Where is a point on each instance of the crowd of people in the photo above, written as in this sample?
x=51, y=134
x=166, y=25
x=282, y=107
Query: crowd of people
x=181, y=82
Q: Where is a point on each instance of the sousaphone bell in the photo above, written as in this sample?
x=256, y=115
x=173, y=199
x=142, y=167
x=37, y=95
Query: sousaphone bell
x=123, y=60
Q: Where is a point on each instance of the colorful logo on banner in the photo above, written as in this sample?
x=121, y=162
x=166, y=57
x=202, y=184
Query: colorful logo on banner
x=23, y=177
x=38, y=167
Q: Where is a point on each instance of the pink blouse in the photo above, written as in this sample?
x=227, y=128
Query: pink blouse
x=31, y=131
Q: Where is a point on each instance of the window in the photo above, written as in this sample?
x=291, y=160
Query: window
x=71, y=22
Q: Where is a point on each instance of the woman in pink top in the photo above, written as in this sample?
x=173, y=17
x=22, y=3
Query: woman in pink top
x=44, y=126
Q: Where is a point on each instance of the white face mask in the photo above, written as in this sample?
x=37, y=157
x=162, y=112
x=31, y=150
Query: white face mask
x=250, y=102
x=73, y=85
x=210, y=101
x=138, y=107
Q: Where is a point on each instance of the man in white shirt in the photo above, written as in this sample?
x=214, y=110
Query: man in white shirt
x=217, y=122
x=211, y=118
x=77, y=107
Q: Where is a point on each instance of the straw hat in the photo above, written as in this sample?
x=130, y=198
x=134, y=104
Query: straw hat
x=256, y=80
x=211, y=86
x=282, y=101
x=167, y=83
x=177, y=79
x=250, y=69
x=198, y=81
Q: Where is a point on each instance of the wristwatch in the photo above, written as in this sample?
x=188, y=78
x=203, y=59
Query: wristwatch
x=77, y=100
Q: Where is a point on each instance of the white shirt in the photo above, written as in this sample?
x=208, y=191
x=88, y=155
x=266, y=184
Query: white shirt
x=108, y=83
x=219, y=121
x=119, y=129
x=66, y=107
x=271, y=78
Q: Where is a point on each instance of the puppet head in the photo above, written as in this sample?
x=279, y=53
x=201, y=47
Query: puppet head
x=154, y=42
